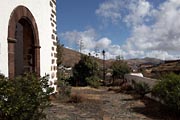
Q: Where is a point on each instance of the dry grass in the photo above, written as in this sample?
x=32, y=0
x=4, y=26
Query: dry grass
x=76, y=98
x=125, y=88
x=81, y=94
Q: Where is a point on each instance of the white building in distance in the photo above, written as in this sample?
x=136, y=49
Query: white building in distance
x=28, y=38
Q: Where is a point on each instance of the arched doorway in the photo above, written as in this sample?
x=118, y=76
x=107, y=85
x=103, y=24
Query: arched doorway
x=23, y=43
x=24, y=51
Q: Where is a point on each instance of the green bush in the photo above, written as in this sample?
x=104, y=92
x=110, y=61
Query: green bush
x=93, y=81
x=168, y=91
x=64, y=89
x=24, y=98
x=141, y=88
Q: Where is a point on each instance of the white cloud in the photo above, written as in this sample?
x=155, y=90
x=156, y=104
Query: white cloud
x=103, y=43
x=159, y=54
x=109, y=10
x=139, y=10
x=91, y=42
x=86, y=38
x=132, y=12
x=155, y=31
x=162, y=37
x=133, y=54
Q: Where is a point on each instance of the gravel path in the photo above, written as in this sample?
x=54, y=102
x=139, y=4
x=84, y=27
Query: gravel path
x=101, y=104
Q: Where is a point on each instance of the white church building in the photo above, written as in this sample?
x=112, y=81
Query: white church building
x=28, y=38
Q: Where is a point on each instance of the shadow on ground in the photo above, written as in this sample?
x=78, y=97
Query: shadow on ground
x=154, y=110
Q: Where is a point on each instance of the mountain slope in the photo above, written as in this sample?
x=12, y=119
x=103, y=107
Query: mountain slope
x=71, y=57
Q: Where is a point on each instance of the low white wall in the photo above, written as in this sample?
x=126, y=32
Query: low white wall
x=149, y=81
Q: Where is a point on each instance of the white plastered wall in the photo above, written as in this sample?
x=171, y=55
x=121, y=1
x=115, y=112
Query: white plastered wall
x=41, y=11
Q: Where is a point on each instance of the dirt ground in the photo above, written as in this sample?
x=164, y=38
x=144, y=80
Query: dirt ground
x=102, y=104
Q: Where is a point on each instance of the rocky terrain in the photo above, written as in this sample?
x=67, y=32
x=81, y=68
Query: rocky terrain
x=101, y=104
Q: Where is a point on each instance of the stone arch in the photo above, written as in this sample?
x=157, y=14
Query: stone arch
x=19, y=14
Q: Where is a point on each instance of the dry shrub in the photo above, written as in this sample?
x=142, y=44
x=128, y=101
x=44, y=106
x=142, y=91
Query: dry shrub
x=110, y=89
x=141, y=88
x=74, y=98
x=126, y=88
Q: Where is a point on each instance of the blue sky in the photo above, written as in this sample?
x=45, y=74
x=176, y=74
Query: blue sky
x=130, y=28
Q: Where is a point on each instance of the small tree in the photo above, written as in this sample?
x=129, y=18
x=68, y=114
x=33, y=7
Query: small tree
x=120, y=68
x=85, y=68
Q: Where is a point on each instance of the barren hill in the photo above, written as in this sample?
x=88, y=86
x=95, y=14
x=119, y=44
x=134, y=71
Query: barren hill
x=71, y=57
x=138, y=61
x=168, y=66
